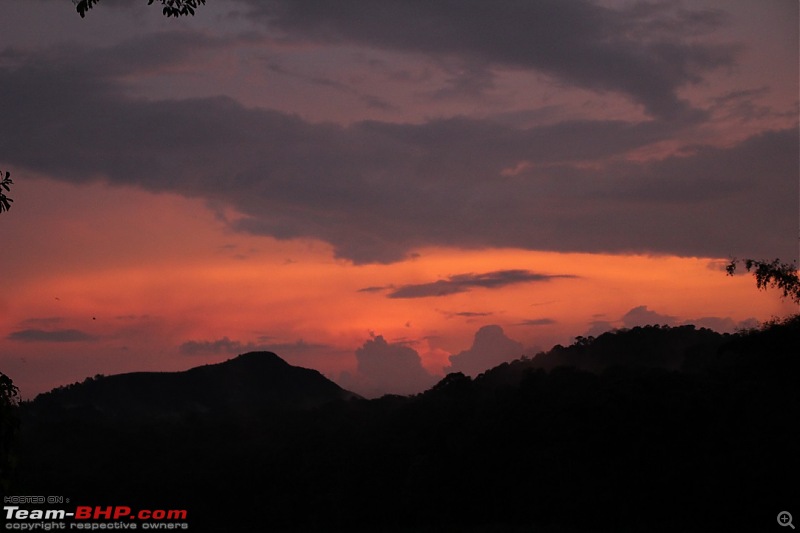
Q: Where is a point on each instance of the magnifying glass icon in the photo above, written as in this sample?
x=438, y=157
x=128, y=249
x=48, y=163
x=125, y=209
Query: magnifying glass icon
x=785, y=519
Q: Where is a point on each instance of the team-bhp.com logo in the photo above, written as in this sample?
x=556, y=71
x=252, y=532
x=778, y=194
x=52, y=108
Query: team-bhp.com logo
x=85, y=512
x=94, y=517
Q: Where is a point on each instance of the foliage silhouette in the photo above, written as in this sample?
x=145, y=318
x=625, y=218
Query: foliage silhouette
x=775, y=274
x=660, y=446
x=172, y=8
x=5, y=184
x=9, y=428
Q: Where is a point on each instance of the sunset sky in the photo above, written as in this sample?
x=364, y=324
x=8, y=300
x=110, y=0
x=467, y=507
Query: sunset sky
x=385, y=191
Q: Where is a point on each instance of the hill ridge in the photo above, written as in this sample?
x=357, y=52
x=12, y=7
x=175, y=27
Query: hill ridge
x=244, y=384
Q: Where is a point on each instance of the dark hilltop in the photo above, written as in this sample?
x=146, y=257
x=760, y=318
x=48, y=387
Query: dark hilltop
x=662, y=429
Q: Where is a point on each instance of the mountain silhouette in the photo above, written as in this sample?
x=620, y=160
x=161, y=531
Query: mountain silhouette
x=684, y=348
x=245, y=385
x=651, y=429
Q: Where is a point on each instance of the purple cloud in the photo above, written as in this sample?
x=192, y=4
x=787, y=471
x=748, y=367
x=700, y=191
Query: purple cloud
x=385, y=367
x=490, y=348
x=466, y=282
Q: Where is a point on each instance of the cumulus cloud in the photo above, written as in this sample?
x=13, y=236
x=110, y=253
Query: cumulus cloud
x=642, y=316
x=388, y=368
x=466, y=282
x=490, y=348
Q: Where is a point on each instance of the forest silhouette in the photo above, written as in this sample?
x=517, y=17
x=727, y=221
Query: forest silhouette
x=653, y=428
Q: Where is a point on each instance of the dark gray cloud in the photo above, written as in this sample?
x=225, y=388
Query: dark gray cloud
x=641, y=51
x=471, y=314
x=376, y=288
x=490, y=348
x=465, y=79
x=537, y=322
x=58, y=335
x=377, y=191
x=371, y=101
x=466, y=282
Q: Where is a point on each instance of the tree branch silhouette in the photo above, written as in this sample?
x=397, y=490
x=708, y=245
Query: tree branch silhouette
x=775, y=274
x=5, y=201
x=172, y=8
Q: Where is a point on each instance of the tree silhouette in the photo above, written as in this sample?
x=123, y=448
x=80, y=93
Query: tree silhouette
x=5, y=201
x=172, y=8
x=9, y=428
x=773, y=274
